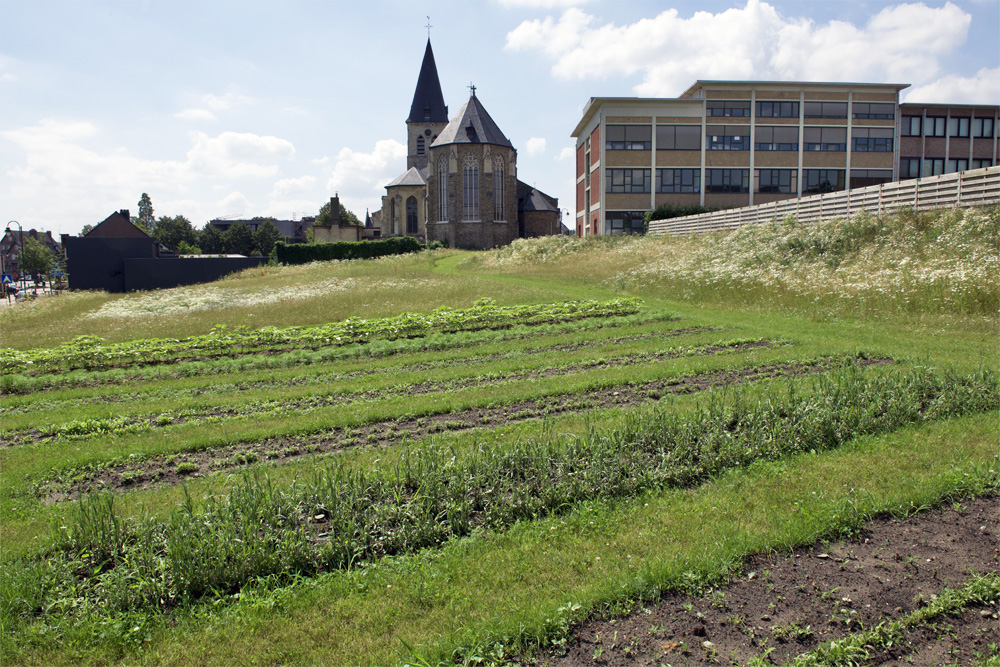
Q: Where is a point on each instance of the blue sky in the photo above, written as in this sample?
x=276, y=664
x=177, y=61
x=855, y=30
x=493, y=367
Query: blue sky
x=252, y=107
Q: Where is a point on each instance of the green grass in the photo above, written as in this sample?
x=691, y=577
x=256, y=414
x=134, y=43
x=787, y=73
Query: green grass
x=591, y=512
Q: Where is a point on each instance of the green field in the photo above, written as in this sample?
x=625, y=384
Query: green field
x=452, y=457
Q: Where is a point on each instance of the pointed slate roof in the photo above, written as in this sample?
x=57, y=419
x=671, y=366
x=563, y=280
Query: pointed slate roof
x=413, y=176
x=428, y=101
x=472, y=125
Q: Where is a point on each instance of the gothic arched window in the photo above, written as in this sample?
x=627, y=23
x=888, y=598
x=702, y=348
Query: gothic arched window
x=470, y=190
x=498, y=190
x=411, y=215
x=443, y=189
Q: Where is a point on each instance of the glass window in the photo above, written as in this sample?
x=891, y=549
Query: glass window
x=728, y=109
x=910, y=126
x=785, y=181
x=981, y=164
x=909, y=167
x=777, y=109
x=868, y=110
x=958, y=127
x=678, y=180
x=627, y=180
x=822, y=180
x=678, y=137
x=628, y=137
x=934, y=126
x=957, y=165
x=470, y=190
x=982, y=127
x=871, y=139
x=728, y=137
x=617, y=223
x=862, y=178
x=443, y=189
x=932, y=167
x=498, y=189
x=825, y=138
x=826, y=110
x=782, y=138
x=727, y=180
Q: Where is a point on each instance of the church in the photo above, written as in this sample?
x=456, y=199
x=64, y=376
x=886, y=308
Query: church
x=460, y=185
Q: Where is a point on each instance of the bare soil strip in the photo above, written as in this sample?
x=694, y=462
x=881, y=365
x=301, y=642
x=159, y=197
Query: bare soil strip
x=783, y=605
x=169, y=470
x=308, y=403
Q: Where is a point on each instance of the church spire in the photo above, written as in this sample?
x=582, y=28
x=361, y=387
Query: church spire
x=428, y=101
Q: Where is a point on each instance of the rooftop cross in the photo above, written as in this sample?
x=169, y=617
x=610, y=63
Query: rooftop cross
x=429, y=26
x=472, y=88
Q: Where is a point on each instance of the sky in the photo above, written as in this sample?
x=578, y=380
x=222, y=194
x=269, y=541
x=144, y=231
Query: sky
x=242, y=108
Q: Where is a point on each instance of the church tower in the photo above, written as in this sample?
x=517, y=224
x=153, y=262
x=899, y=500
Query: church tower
x=428, y=113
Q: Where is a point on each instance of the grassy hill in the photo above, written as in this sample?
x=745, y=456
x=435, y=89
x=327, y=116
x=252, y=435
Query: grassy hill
x=456, y=456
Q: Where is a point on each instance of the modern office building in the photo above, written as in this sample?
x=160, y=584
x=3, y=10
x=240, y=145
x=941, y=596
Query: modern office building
x=725, y=144
x=945, y=138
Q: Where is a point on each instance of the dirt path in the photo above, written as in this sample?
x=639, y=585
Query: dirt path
x=788, y=604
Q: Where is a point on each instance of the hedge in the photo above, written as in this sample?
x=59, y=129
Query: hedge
x=303, y=253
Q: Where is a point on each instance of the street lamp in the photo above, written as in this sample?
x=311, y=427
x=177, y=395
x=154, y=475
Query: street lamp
x=20, y=249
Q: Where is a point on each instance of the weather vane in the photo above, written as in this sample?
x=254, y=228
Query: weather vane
x=472, y=88
x=428, y=27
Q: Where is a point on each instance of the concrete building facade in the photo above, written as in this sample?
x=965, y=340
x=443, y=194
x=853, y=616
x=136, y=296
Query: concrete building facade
x=725, y=144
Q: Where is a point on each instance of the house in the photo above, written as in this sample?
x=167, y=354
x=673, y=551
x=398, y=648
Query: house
x=724, y=144
x=293, y=231
x=10, y=245
x=117, y=256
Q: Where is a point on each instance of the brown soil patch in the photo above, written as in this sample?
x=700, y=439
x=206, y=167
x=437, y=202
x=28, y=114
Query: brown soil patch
x=173, y=469
x=790, y=603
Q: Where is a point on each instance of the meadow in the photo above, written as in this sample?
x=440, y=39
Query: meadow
x=455, y=458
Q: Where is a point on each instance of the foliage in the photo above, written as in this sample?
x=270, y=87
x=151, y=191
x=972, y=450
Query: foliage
x=266, y=236
x=345, y=217
x=38, y=258
x=238, y=239
x=145, y=219
x=212, y=241
x=172, y=232
x=341, y=250
x=92, y=351
x=670, y=210
x=342, y=516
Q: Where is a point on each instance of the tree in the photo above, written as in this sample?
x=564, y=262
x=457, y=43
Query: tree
x=346, y=217
x=211, y=241
x=37, y=257
x=238, y=239
x=267, y=235
x=174, y=231
x=145, y=219
x=87, y=228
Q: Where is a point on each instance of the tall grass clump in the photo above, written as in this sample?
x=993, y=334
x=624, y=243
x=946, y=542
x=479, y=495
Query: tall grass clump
x=942, y=262
x=340, y=516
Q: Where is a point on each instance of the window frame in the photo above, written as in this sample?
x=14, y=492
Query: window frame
x=726, y=141
x=728, y=108
x=727, y=175
x=663, y=130
x=788, y=181
x=863, y=111
x=684, y=180
x=863, y=142
x=841, y=180
x=635, y=143
x=821, y=145
x=822, y=113
x=627, y=177
x=775, y=145
x=776, y=109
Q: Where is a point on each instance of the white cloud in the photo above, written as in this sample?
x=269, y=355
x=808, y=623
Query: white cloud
x=367, y=171
x=288, y=186
x=228, y=100
x=235, y=204
x=195, y=114
x=982, y=88
x=900, y=44
x=238, y=154
x=535, y=145
x=566, y=153
x=68, y=176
